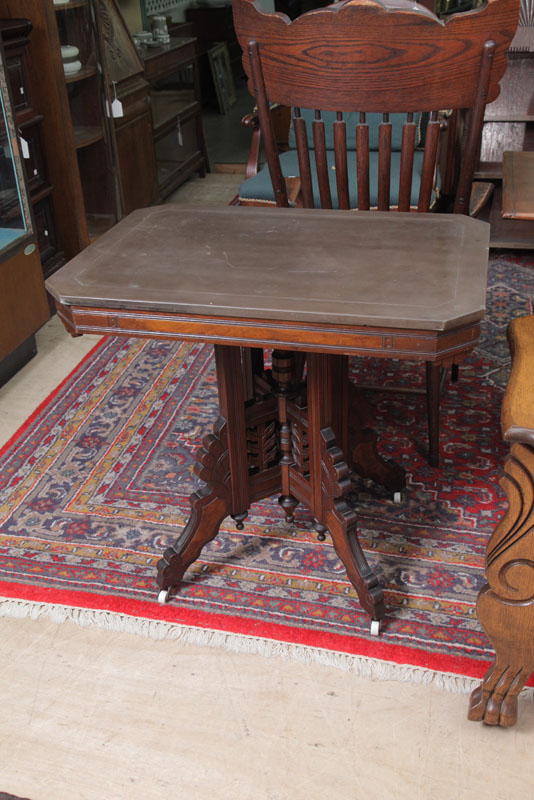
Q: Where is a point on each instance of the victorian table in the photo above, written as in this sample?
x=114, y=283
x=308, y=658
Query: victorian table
x=327, y=284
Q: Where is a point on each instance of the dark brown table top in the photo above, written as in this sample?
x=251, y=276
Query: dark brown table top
x=424, y=271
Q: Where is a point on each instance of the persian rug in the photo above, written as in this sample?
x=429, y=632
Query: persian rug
x=95, y=486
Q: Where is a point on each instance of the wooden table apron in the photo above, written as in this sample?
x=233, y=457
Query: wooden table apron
x=328, y=284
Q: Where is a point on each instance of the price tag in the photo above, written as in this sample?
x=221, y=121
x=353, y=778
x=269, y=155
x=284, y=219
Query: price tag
x=25, y=148
x=116, y=108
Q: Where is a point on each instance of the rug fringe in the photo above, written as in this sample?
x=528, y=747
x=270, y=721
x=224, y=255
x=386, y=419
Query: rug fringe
x=362, y=666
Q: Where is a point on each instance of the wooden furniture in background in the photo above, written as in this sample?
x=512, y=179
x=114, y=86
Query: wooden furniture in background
x=23, y=304
x=359, y=63
x=131, y=132
x=213, y=24
x=77, y=26
x=509, y=126
x=518, y=185
x=49, y=95
x=180, y=146
x=505, y=605
x=28, y=118
x=234, y=277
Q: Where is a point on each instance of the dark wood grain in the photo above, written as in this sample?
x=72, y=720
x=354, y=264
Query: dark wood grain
x=373, y=57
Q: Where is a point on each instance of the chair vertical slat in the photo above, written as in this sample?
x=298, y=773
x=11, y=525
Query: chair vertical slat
x=429, y=163
x=340, y=153
x=384, y=163
x=269, y=141
x=472, y=146
x=321, y=163
x=406, y=165
x=451, y=155
x=303, y=153
x=362, y=163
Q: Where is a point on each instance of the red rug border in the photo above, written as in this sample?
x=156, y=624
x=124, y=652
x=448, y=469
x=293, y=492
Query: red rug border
x=349, y=645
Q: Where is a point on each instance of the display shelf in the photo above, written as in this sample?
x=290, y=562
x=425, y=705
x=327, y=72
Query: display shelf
x=178, y=133
x=168, y=106
x=81, y=75
x=68, y=6
x=85, y=135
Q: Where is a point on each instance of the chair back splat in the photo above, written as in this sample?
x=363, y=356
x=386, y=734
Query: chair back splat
x=358, y=62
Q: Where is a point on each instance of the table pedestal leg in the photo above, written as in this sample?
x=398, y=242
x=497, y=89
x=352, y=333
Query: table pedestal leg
x=505, y=607
x=365, y=458
x=276, y=443
x=209, y=506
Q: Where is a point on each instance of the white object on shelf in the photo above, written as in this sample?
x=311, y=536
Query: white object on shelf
x=71, y=67
x=69, y=51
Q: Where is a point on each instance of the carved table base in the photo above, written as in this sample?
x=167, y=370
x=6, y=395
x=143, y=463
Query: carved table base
x=290, y=439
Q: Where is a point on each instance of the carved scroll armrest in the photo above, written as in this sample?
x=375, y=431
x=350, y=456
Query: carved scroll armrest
x=517, y=417
x=505, y=605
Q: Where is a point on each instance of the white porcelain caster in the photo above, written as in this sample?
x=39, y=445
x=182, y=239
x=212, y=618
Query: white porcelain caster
x=375, y=627
x=163, y=596
x=397, y=497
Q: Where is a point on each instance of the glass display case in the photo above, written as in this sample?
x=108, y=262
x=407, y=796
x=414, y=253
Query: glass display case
x=23, y=303
x=15, y=221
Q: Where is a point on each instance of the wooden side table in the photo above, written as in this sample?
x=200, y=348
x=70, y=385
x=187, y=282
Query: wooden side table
x=329, y=284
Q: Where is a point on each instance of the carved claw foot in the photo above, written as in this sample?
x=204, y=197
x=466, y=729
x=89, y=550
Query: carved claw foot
x=494, y=702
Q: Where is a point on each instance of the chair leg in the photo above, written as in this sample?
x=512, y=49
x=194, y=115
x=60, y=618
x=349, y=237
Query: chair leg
x=433, y=381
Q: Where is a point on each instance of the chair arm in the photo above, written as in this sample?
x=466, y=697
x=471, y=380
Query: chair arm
x=517, y=416
x=281, y=120
x=252, y=121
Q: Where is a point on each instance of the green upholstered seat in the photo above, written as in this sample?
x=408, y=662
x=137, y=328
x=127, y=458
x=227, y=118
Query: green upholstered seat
x=259, y=188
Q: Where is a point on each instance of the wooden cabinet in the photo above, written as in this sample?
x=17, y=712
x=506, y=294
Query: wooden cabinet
x=178, y=133
x=77, y=25
x=28, y=118
x=23, y=304
x=128, y=101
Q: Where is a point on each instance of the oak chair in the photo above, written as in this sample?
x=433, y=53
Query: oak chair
x=364, y=57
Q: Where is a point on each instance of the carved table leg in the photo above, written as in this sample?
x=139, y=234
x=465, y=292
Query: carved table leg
x=505, y=607
x=223, y=464
x=365, y=458
x=330, y=482
x=209, y=506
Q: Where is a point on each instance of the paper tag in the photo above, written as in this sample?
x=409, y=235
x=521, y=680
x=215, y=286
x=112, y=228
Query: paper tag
x=179, y=132
x=25, y=148
x=116, y=108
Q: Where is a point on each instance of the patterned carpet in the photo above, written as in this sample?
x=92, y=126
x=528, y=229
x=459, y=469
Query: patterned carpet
x=95, y=486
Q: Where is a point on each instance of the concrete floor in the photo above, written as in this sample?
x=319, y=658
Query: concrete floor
x=93, y=714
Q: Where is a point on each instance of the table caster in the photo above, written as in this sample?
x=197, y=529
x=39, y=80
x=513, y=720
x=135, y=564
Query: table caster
x=397, y=497
x=164, y=596
x=375, y=627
